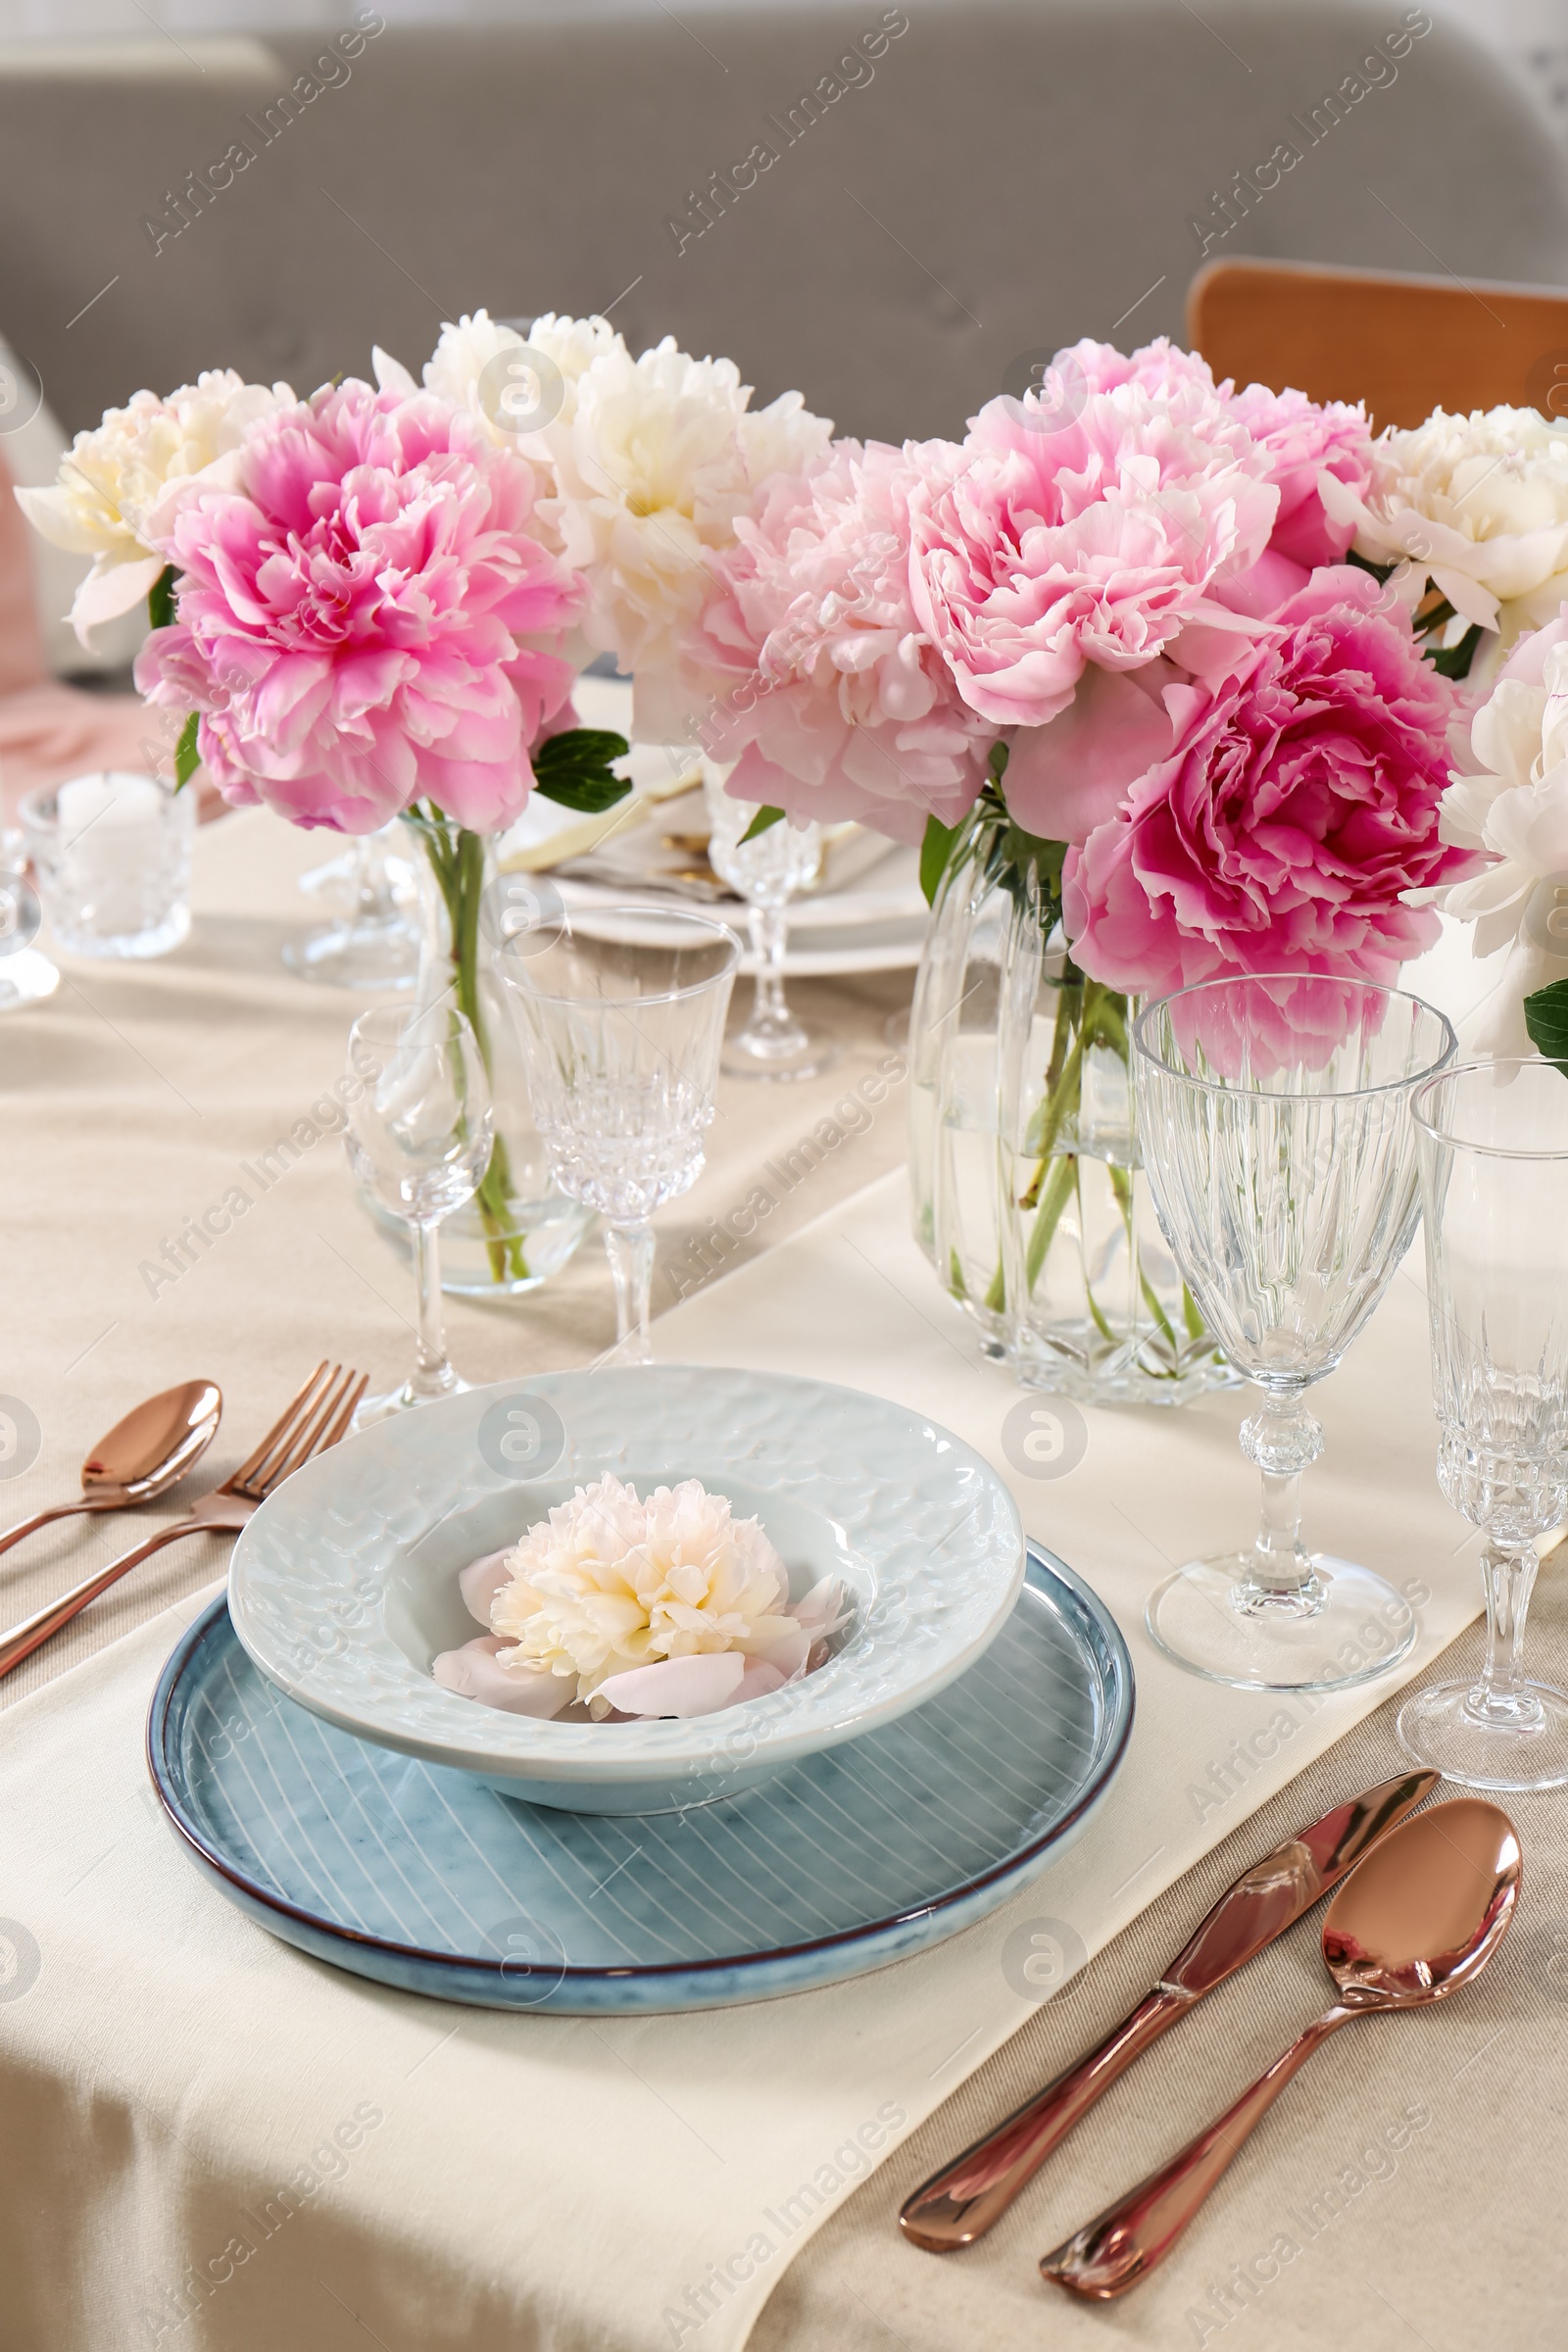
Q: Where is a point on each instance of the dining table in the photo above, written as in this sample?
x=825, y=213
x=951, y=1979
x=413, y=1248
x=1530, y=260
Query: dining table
x=216, y=2141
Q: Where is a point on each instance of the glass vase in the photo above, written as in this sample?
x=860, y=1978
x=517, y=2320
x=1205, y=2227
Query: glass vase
x=1030, y=1197
x=518, y=1230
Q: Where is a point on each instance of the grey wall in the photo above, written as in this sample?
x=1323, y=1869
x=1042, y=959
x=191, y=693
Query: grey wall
x=1011, y=175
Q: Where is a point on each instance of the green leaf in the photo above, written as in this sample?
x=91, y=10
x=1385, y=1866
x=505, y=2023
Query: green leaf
x=996, y=761
x=575, y=769
x=1453, y=661
x=762, y=822
x=935, y=851
x=187, y=758
x=1379, y=571
x=160, y=600
x=1546, y=1019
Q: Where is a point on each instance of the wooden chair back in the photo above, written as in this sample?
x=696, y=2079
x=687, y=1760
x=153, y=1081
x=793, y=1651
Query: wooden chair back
x=1404, y=345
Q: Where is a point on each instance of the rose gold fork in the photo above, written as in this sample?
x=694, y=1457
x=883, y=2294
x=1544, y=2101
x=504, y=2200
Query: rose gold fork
x=314, y=1419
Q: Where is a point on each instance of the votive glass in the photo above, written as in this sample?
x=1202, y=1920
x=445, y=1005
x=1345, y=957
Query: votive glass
x=112, y=853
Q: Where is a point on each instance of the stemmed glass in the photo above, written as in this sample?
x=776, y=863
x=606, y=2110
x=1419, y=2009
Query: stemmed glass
x=419, y=1132
x=620, y=1026
x=1494, y=1148
x=1273, y=1114
x=374, y=946
x=768, y=871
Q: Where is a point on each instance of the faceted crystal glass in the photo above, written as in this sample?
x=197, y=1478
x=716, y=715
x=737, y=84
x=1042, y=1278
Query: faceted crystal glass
x=1275, y=1119
x=1493, y=1152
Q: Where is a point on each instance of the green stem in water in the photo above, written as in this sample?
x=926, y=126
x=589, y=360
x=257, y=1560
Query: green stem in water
x=456, y=861
x=1059, y=1191
x=1121, y=1184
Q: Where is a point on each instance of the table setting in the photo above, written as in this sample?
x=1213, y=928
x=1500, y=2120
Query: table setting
x=763, y=1734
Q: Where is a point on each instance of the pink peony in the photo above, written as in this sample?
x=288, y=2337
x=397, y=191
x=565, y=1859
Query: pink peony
x=829, y=688
x=1088, y=529
x=1302, y=437
x=1299, y=804
x=358, y=622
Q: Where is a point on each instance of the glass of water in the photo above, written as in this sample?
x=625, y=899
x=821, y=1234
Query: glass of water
x=112, y=855
x=621, y=1013
x=1494, y=1147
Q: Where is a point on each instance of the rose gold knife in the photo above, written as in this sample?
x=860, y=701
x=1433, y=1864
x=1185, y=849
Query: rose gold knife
x=960, y=2203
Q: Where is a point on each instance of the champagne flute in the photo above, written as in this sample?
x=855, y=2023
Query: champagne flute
x=620, y=1012
x=1494, y=1147
x=418, y=1136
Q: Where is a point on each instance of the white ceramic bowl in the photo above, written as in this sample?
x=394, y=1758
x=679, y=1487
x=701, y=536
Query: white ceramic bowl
x=343, y=1586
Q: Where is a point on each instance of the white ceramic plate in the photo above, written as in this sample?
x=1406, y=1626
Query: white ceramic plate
x=343, y=1586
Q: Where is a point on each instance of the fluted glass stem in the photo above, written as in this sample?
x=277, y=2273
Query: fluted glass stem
x=630, y=1249
x=1501, y=1699
x=1283, y=1439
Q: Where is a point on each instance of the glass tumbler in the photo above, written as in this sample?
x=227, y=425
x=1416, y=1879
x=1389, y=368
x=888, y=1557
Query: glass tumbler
x=1494, y=1147
x=113, y=856
x=1274, y=1113
x=621, y=1013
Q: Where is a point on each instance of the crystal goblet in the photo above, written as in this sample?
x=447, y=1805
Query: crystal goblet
x=768, y=871
x=1492, y=1139
x=621, y=1013
x=1274, y=1118
x=420, y=1135
x=375, y=944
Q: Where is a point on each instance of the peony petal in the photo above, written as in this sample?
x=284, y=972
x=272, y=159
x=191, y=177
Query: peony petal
x=475, y=1672
x=481, y=1581
x=680, y=1687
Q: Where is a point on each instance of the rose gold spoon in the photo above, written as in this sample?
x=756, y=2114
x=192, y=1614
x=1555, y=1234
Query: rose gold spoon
x=144, y=1456
x=1420, y=1917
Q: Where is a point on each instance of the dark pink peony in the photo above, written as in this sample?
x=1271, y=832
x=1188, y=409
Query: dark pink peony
x=359, y=619
x=1299, y=804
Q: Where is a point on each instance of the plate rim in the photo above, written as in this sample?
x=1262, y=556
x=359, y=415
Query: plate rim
x=532, y=1759
x=1121, y=1701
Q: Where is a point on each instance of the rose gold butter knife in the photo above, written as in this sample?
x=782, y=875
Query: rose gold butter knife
x=960, y=2203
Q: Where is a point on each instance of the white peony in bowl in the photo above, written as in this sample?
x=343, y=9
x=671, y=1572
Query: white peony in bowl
x=344, y=1586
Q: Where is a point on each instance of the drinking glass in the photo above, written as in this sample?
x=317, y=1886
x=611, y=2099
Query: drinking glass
x=418, y=1136
x=1274, y=1118
x=1492, y=1139
x=27, y=977
x=375, y=945
x=768, y=871
x=112, y=855
x=621, y=1025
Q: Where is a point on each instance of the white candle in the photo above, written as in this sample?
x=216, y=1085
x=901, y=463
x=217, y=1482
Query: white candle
x=116, y=801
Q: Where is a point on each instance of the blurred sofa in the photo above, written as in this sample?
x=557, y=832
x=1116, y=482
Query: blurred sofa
x=898, y=210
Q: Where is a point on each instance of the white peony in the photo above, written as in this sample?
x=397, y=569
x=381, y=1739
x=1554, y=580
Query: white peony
x=461, y=369
x=1509, y=802
x=1478, y=505
x=120, y=483
x=610, y=1584
x=658, y=458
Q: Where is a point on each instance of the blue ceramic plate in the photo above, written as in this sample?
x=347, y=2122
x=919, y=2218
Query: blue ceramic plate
x=422, y=1876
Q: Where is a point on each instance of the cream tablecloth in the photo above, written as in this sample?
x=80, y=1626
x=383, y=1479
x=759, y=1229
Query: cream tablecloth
x=214, y=2142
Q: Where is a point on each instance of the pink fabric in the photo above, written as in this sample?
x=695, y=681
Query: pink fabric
x=1297, y=807
x=359, y=624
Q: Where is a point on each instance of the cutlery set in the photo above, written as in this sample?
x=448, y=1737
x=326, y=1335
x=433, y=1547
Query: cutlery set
x=151, y=1451
x=1425, y=1900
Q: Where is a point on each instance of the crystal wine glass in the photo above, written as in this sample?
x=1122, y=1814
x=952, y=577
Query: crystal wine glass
x=1273, y=1115
x=420, y=1133
x=768, y=871
x=620, y=1012
x=374, y=946
x=1494, y=1148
